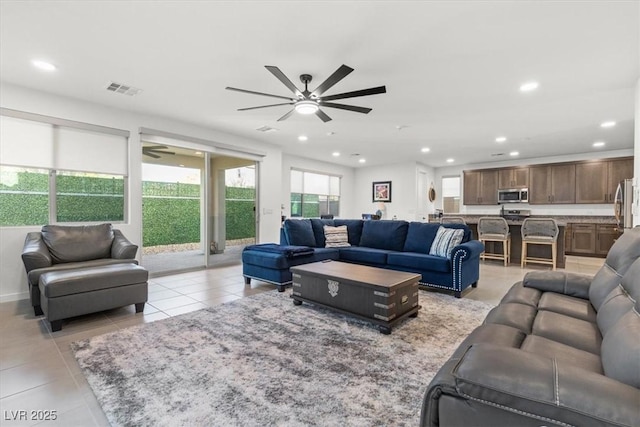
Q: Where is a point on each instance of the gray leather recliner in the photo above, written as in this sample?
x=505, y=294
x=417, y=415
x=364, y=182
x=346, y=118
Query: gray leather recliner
x=559, y=349
x=58, y=248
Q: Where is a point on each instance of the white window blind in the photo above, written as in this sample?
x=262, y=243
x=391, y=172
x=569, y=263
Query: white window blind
x=38, y=144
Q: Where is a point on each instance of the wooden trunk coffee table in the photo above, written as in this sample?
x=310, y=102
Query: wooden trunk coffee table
x=383, y=297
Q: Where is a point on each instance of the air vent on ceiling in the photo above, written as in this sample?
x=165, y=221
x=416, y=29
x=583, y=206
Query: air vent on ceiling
x=266, y=129
x=123, y=89
x=497, y=154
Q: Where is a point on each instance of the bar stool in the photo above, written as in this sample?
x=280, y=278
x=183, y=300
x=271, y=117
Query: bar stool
x=495, y=229
x=539, y=231
x=452, y=220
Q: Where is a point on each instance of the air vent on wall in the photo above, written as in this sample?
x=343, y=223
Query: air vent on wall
x=124, y=89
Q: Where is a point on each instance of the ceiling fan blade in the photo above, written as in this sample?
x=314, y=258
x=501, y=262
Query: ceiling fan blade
x=346, y=107
x=284, y=79
x=265, y=106
x=323, y=116
x=334, y=78
x=355, y=93
x=258, y=93
x=155, y=147
x=286, y=116
x=155, y=156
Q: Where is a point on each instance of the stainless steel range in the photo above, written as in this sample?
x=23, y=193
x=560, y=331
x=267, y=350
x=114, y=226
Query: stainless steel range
x=515, y=214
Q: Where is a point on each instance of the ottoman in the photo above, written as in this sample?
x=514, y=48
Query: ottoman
x=270, y=262
x=69, y=293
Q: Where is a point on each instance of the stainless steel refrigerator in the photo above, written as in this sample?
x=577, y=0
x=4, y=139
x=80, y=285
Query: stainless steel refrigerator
x=622, y=204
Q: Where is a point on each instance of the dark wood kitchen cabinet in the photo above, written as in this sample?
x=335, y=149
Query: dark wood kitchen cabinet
x=619, y=170
x=480, y=187
x=606, y=235
x=513, y=178
x=596, y=181
x=552, y=184
x=583, y=239
x=590, y=239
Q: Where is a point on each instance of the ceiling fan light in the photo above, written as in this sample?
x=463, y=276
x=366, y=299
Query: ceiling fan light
x=306, y=107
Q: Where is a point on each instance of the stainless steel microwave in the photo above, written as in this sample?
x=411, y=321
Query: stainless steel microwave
x=515, y=195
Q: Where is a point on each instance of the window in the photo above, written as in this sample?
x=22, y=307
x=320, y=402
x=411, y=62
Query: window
x=55, y=170
x=451, y=194
x=314, y=194
x=24, y=196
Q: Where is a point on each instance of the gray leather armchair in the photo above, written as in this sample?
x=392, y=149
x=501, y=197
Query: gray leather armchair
x=559, y=349
x=58, y=248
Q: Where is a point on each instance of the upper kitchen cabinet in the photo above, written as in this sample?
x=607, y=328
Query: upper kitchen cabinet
x=552, y=184
x=619, y=170
x=513, y=178
x=480, y=187
x=596, y=182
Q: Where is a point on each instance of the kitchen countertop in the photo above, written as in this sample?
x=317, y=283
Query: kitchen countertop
x=562, y=220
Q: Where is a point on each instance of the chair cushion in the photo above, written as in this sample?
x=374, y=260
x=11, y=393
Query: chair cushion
x=361, y=255
x=419, y=262
x=621, y=352
x=68, y=282
x=446, y=239
x=389, y=235
x=78, y=243
x=336, y=237
x=420, y=236
x=318, y=230
x=354, y=229
x=299, y=232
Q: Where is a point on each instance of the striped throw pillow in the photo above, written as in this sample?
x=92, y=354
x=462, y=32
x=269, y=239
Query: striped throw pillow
x=446, y=239
x=336, y=237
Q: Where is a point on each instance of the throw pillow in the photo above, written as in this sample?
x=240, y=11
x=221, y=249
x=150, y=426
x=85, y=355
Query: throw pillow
x=446, y=239
x=336, y=237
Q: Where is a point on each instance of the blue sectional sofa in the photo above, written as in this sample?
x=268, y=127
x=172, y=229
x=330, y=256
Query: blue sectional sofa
x=396, y=245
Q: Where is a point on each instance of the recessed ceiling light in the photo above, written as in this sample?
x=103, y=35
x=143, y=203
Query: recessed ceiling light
x=426, y=149
x=599, y=144
x=181, y=166
x=609, y=124
x=501, y=139
x=335, y=154
x=514, y=153
x=302, y=138
x=43, y=65
x=529, y=86
x=450, y=160
x=362, y=160
x=198, y=152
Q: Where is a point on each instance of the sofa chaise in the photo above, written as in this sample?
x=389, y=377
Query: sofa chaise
x=396, y=245
x=560, y=349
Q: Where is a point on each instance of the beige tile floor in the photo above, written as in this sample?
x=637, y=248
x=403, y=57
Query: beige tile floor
x=39, y=373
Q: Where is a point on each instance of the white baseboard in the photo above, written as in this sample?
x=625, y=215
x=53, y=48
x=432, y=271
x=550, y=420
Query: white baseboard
x=14, y=297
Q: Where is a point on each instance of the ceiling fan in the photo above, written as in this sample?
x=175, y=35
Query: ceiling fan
x=154, y=151
x=309, y=102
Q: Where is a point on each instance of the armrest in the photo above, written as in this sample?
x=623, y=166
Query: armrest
x=35, y=253
x=468, y=250
x=572, y=284
x=543, y=387
x=122, y=248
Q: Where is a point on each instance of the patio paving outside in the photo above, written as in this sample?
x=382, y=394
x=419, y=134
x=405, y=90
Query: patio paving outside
x=161, y=260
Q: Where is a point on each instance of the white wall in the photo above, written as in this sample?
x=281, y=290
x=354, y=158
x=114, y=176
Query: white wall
x=13, y=278
x=582, y=209
x=405, y=203
x=346, y=183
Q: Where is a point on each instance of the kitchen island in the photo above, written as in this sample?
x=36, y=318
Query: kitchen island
x=543, y=251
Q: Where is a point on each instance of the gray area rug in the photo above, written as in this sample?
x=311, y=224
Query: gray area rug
x=261, y=361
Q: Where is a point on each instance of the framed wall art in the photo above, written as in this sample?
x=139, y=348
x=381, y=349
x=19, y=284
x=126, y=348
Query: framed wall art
x=382, y=191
